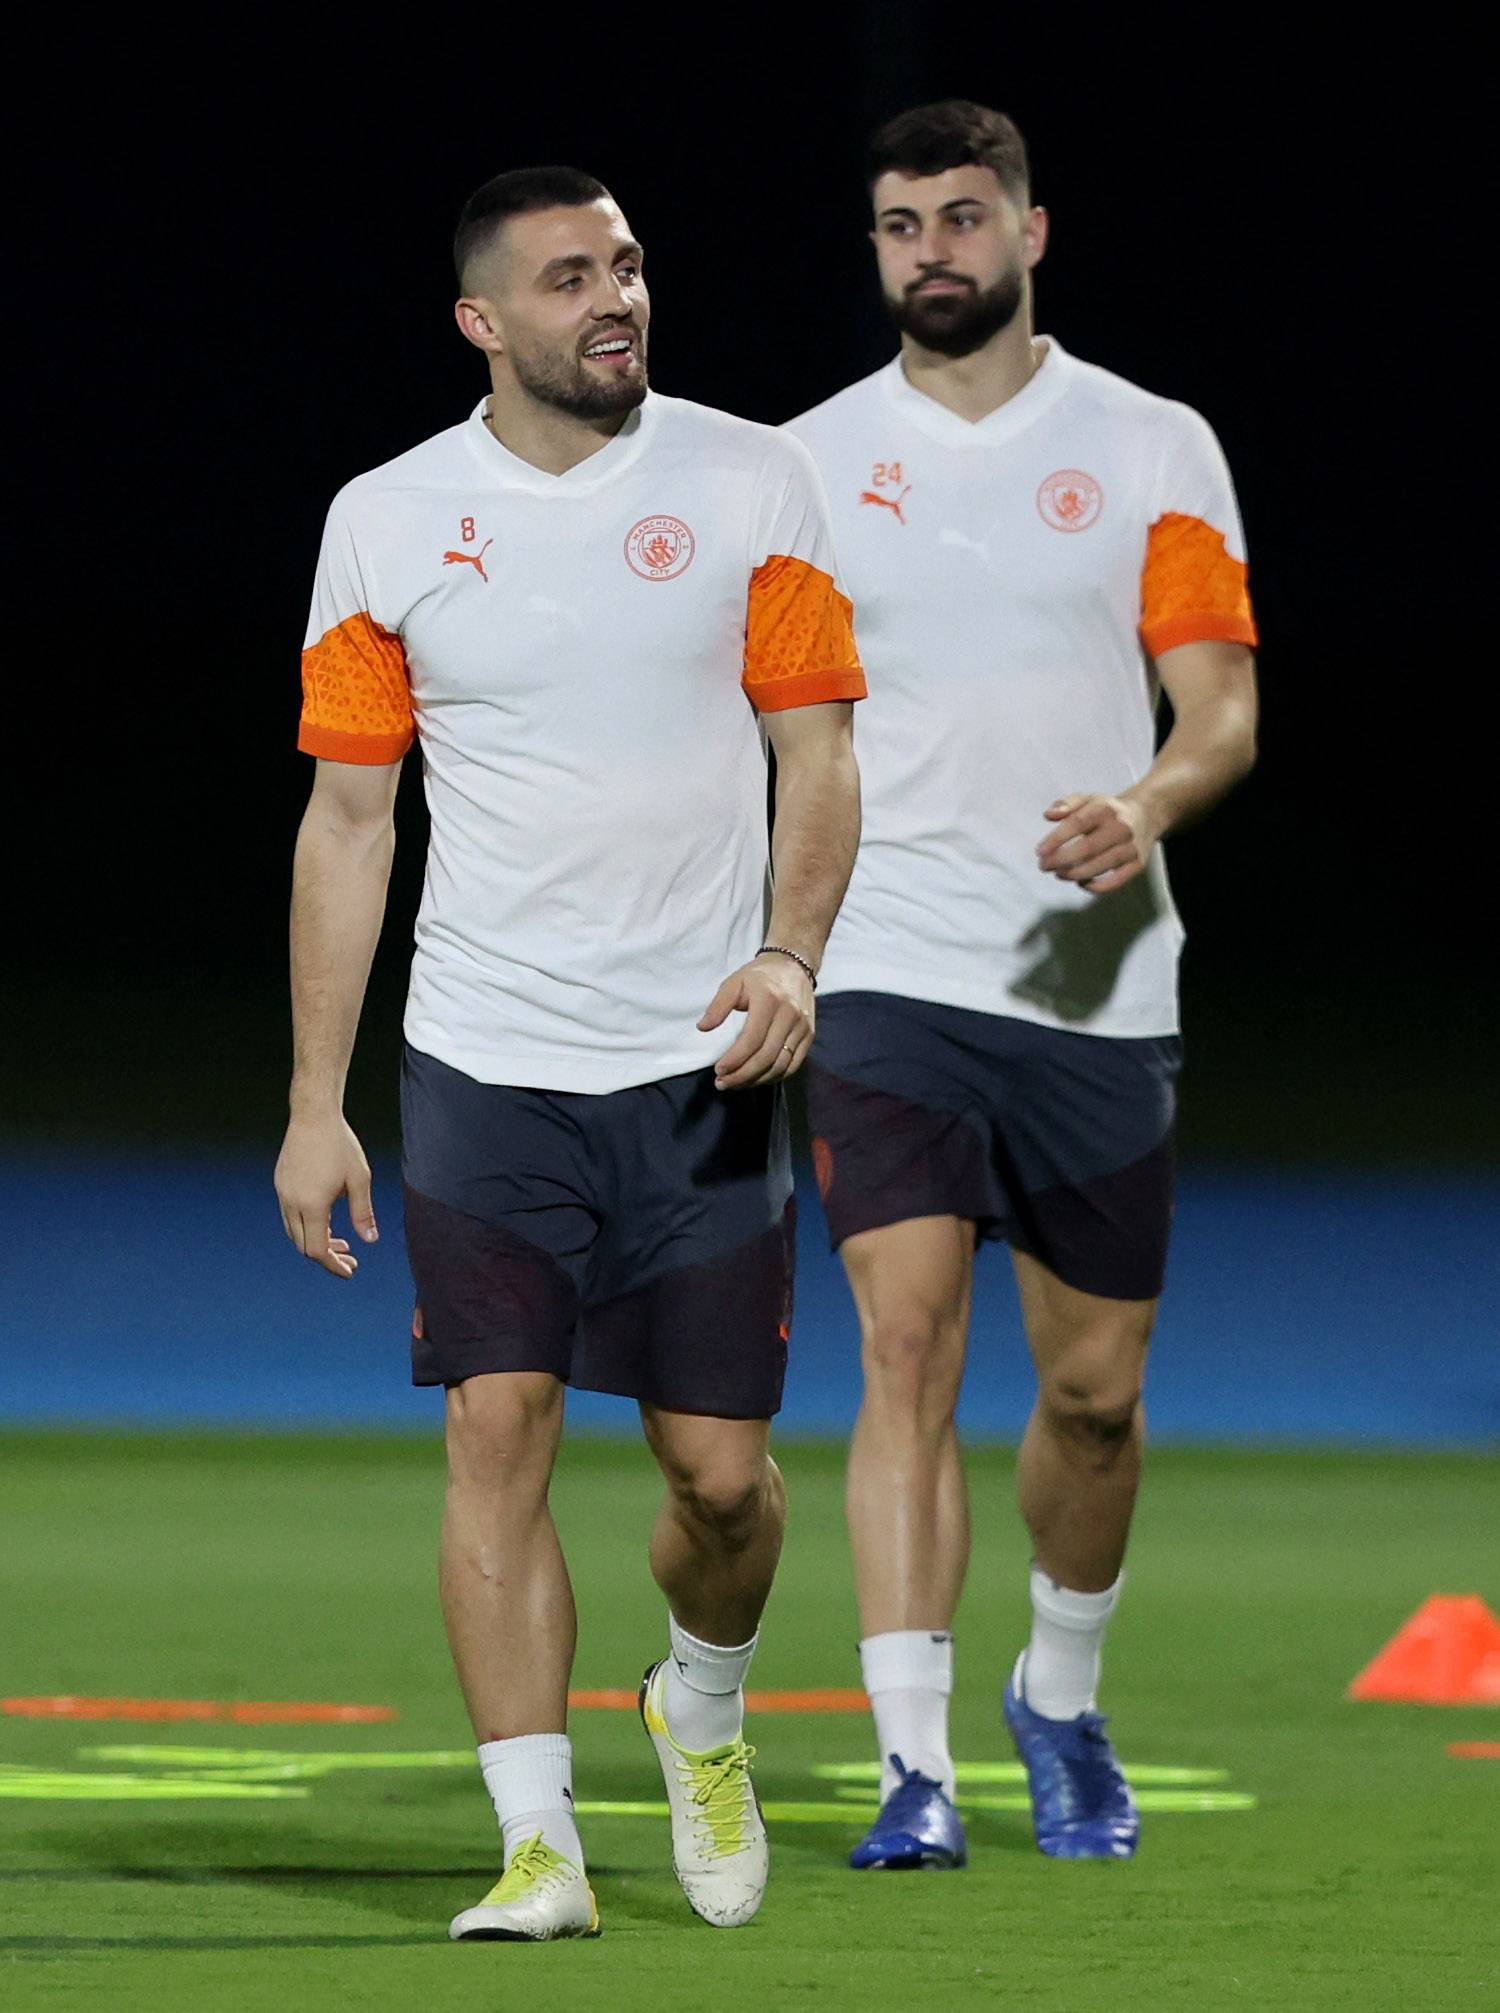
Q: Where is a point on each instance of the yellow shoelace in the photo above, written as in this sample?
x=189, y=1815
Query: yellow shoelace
x=532, y=1863
x=720, y=1786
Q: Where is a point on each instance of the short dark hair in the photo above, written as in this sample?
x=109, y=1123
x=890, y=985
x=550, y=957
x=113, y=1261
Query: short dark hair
x=955, y=133
x=515, y=194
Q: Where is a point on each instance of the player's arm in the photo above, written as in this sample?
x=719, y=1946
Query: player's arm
x=339, y=880
x=1104, y=842
x=813, y=848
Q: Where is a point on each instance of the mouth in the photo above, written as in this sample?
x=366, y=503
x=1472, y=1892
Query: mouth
x=937, y=288
x=614, y=350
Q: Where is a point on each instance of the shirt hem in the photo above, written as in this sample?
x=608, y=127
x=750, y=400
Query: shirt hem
x=1152, y=1023
x=595, y=1076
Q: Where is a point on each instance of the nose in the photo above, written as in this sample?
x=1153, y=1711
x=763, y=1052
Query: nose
x=613, y=303
x=928, y=248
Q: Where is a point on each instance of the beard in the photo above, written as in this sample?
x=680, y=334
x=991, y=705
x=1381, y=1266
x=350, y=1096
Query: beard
x=567, y=383
x=958, y=324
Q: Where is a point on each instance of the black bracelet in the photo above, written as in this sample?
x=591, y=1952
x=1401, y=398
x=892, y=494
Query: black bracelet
x=796, y=957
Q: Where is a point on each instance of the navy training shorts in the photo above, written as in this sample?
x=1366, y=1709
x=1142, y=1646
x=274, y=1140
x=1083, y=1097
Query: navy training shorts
x=639, y=1242
x=1060, y=1143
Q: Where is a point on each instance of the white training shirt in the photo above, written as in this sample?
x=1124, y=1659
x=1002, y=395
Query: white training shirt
x=1012, y=580
x=582, y=658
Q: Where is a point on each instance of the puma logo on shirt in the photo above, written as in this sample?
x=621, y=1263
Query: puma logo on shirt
x=888, y=502
x=474, y=559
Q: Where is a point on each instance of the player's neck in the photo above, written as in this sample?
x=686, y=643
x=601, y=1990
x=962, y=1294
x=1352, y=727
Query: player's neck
x=551, y=440
x=975, y=386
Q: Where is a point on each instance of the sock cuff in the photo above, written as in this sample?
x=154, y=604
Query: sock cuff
x=532, y=1772
x=523, y=1748
x=530, y=1781
x=1066, y=1608
x=908, y=1660
x=709, y=1667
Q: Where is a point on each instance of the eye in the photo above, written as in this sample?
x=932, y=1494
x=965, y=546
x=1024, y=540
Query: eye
x=629, y=271
x=571, y=281
x=965, y=220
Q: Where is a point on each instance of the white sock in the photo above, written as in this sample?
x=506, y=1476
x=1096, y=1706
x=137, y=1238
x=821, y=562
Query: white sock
x=1058, y=1674
x=530, y=1781
x=701, y=1690
x=908, y=1674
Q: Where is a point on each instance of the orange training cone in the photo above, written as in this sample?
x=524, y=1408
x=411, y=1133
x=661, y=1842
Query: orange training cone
x=1447, y=1654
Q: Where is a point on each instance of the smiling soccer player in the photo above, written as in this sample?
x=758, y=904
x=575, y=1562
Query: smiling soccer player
x=1034, y=546
x=587, y=602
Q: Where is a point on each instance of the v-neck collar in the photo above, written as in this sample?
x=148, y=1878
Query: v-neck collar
x=1040, y=392
x=591, y=473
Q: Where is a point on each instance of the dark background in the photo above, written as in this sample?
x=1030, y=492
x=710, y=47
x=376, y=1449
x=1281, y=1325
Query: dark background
x=235, y=295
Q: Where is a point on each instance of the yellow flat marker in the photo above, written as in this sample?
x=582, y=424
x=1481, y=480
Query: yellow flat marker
x=616, y=1809
x=1191, y=1801
x=813, y=1813
x=774, y=1812
x=274, y=1764
x=1182, y=1802
x=1012, y=1771
x=66, y=1785
x=174, y=1771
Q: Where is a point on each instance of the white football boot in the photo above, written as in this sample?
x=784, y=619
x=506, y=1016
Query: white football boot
x=719, y=1849
x=539, y=1897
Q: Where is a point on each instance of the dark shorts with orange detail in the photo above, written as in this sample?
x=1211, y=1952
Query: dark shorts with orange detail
x=1060, y=1143
x=639, y=1242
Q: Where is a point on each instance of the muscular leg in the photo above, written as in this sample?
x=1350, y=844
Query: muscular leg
x=507, y=1600
x=713, y=1553
x=1080, y=1461
x=718, y=1534
x=1077, y=1477
x=906, y=1498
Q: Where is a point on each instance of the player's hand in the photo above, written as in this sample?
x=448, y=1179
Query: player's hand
x=776, y=997
x=321, y=1160
x=1100, y=842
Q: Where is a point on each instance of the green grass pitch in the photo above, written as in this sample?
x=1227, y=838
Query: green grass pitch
x=1365, y=1873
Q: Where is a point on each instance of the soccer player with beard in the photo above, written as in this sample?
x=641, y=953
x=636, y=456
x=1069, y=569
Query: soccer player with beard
x=588, y=602
x=1034, y=547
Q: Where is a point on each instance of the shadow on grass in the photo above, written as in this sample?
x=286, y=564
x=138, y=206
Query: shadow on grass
x=631, y=1898
x=999, y=1834
x=66, y=1946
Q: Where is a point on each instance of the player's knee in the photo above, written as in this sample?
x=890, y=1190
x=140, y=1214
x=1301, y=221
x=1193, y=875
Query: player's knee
x=1093, y=1396
x=1109, y=1419
x=500, y=1429
x=725, y=1500
x=912, y=1358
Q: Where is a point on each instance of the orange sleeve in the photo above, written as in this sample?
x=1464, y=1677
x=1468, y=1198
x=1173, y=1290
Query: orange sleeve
x=356, y=696
x=799, y=638
x=1192, y=588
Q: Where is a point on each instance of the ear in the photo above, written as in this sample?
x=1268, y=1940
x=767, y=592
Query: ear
x=473, y=318
x=1035, y=228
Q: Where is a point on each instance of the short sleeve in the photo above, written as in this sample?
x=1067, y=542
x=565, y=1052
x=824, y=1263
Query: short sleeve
x=1195, y=580
x=799, y=625
x=356, y=692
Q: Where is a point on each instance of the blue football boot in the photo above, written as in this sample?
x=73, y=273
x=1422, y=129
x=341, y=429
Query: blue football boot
x=917, y=1826
x=1081, y=1805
